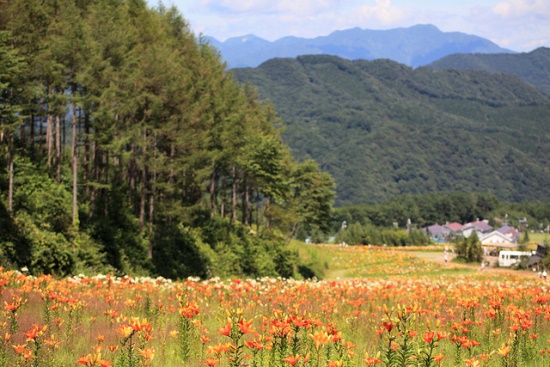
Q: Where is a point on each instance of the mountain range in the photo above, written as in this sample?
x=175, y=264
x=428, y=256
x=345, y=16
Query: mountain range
x=382, y=128
x=413, y=46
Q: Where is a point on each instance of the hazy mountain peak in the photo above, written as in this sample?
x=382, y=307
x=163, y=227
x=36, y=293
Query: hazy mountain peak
x=248, y=38
x=414, y=46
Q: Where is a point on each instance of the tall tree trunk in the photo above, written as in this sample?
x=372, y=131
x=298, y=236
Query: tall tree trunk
x=246, y=203
x=151, y=212
x=213, y=192
x=152, y=200
x=22, y=136
x=265, y=214
x=58, y=147
x=143, y=184
x=75, y=167
x=49, y=136
x=41, y=132
x=40, y=128
x=63, y=135
x=142, y=199
x=106, y=180
x=31, y=133
x=171, y=185
x=224, y=197
x=131, y=173
x=234, y=195
x=257, y=207
x=95, y=178
x=87, y=154
x=10, y=170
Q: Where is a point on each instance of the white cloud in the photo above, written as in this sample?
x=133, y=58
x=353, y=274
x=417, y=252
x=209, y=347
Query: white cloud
x=520, y=25
x=383, y=13
x=522, y=8
x=268, y=6
x=304, y=18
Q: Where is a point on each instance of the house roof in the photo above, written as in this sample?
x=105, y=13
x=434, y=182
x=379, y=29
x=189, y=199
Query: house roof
x=436, y=230
x=505, y=229
x=482, y=226
x=454, y=226
x=509, y=231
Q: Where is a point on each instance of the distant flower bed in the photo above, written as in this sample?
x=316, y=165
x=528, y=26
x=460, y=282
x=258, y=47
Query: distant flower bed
x=425, y=248
x=368, y=261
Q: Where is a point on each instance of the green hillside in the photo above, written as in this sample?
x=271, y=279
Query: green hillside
x=383, y=129
x=532, y=67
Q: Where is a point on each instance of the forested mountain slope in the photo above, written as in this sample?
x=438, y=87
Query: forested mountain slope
x=532, y=67
x=383, y=129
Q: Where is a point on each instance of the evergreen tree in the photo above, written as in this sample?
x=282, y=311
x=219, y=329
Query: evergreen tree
x=525, y=237
x=12, y=68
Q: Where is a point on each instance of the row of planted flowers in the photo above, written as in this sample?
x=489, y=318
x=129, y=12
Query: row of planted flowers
x=476, y=320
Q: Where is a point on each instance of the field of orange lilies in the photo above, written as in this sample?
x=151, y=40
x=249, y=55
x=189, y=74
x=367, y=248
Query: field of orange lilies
x=419, y=315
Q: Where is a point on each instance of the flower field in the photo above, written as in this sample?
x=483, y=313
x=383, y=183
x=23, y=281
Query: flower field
x=418, y=314
x=376, y=261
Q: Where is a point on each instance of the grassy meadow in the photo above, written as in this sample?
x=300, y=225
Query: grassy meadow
x=377, y=306
x=539, y=238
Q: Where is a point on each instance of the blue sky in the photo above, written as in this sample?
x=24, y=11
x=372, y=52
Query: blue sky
x=519, y=25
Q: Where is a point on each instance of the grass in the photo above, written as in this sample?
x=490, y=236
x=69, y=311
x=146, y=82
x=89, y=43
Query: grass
x=539, y=238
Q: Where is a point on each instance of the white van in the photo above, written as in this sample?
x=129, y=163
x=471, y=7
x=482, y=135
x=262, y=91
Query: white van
x=509, y=258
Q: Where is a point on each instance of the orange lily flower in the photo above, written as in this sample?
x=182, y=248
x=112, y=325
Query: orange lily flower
x=245, y=326
x=292, y=360
x=225, y=330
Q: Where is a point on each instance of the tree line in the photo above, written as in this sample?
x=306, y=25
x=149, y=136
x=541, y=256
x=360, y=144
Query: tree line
x=401, y=220
x=127, y=147
x=419, y=211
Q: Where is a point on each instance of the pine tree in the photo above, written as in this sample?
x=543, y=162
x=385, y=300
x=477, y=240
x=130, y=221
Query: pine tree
x=12, y=68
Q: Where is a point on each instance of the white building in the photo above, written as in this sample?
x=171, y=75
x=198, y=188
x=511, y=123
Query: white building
x=495, y=237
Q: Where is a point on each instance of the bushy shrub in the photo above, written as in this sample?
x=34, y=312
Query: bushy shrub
x=50, y=252
x=236, y=251
x=469, y=249
x=47, y=202
x=15, y=249
x=90, y=259
x=284, y=262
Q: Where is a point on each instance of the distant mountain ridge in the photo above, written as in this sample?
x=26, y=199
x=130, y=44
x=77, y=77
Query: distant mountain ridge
x=413, y=46
x=532, y=67
x=383, y=129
